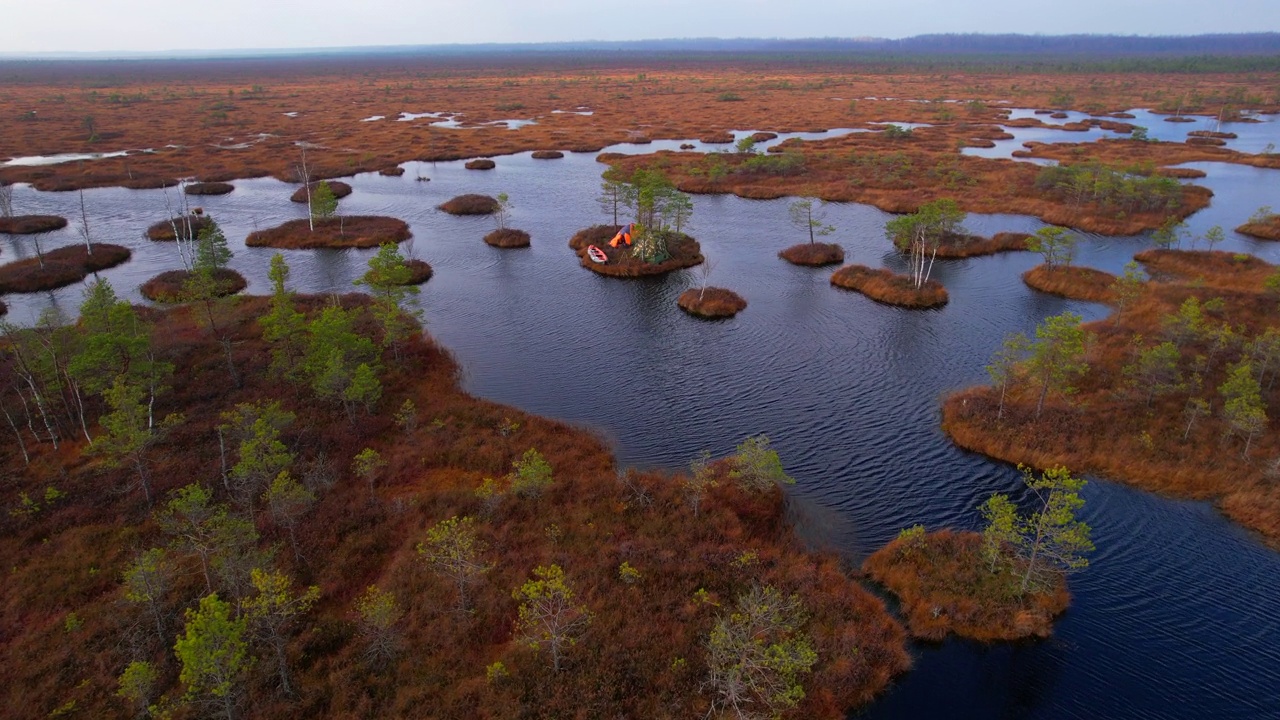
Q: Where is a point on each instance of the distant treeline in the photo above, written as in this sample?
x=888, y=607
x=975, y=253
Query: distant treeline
x=1245, y=52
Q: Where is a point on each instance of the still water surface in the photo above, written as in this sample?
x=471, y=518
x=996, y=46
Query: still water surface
x=1176, y=618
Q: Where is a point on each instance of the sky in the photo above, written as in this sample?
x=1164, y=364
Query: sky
x=35, y=26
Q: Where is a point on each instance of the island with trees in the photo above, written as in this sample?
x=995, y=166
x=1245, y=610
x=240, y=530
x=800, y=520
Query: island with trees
x=658, y=245
x=1174, y=392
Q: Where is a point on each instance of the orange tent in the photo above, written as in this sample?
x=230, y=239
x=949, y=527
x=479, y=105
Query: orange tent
x=623, y=236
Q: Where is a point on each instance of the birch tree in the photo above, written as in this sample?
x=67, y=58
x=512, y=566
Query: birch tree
x=921, y=233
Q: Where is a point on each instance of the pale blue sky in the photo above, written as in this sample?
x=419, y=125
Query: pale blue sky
x=163, y=25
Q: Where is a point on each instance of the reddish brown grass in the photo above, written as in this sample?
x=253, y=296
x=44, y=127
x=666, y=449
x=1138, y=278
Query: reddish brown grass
x=208, y=188
x=70, y=556
x=1108, y=428
x=547, y=155
x=470, y=204
x=958, y=246
x=721, y=137
x=713, y=303
x=897, y=176
x=508, y=238
x=890, y=288
x=170, y=286
x=63, y=266
x=781, y=96
x=339, y=189
x=31, y=224
x=1181, y=173
x=189, y=225
x=1208, y=268
x=355, y=231
x=1077, y=283
x=944, y=586
x=480, y=164
x=813, y=254
x=393, y=171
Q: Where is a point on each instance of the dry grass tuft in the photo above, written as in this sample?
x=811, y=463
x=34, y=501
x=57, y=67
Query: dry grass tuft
x=62, y=267
x=890, y=288
x=713, y=303
x=355, y=231
x=813, y=254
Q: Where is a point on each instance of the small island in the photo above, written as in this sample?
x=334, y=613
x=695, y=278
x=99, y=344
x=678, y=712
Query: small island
x=393, y=171
x=711, y=303
x=480, y=164
x=185, y=227
x=171, y=286
x=890, y=288
x=470, y=204
x=1263, y=225
x=31, y=224
x=547, y=155
x=1076, y=283
x=813, y=254
x=944, y=585
x=337, y=187
x=209, y=188
x=59, y=268
x=507, y=238
x=355, y=231
x=624, y=261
